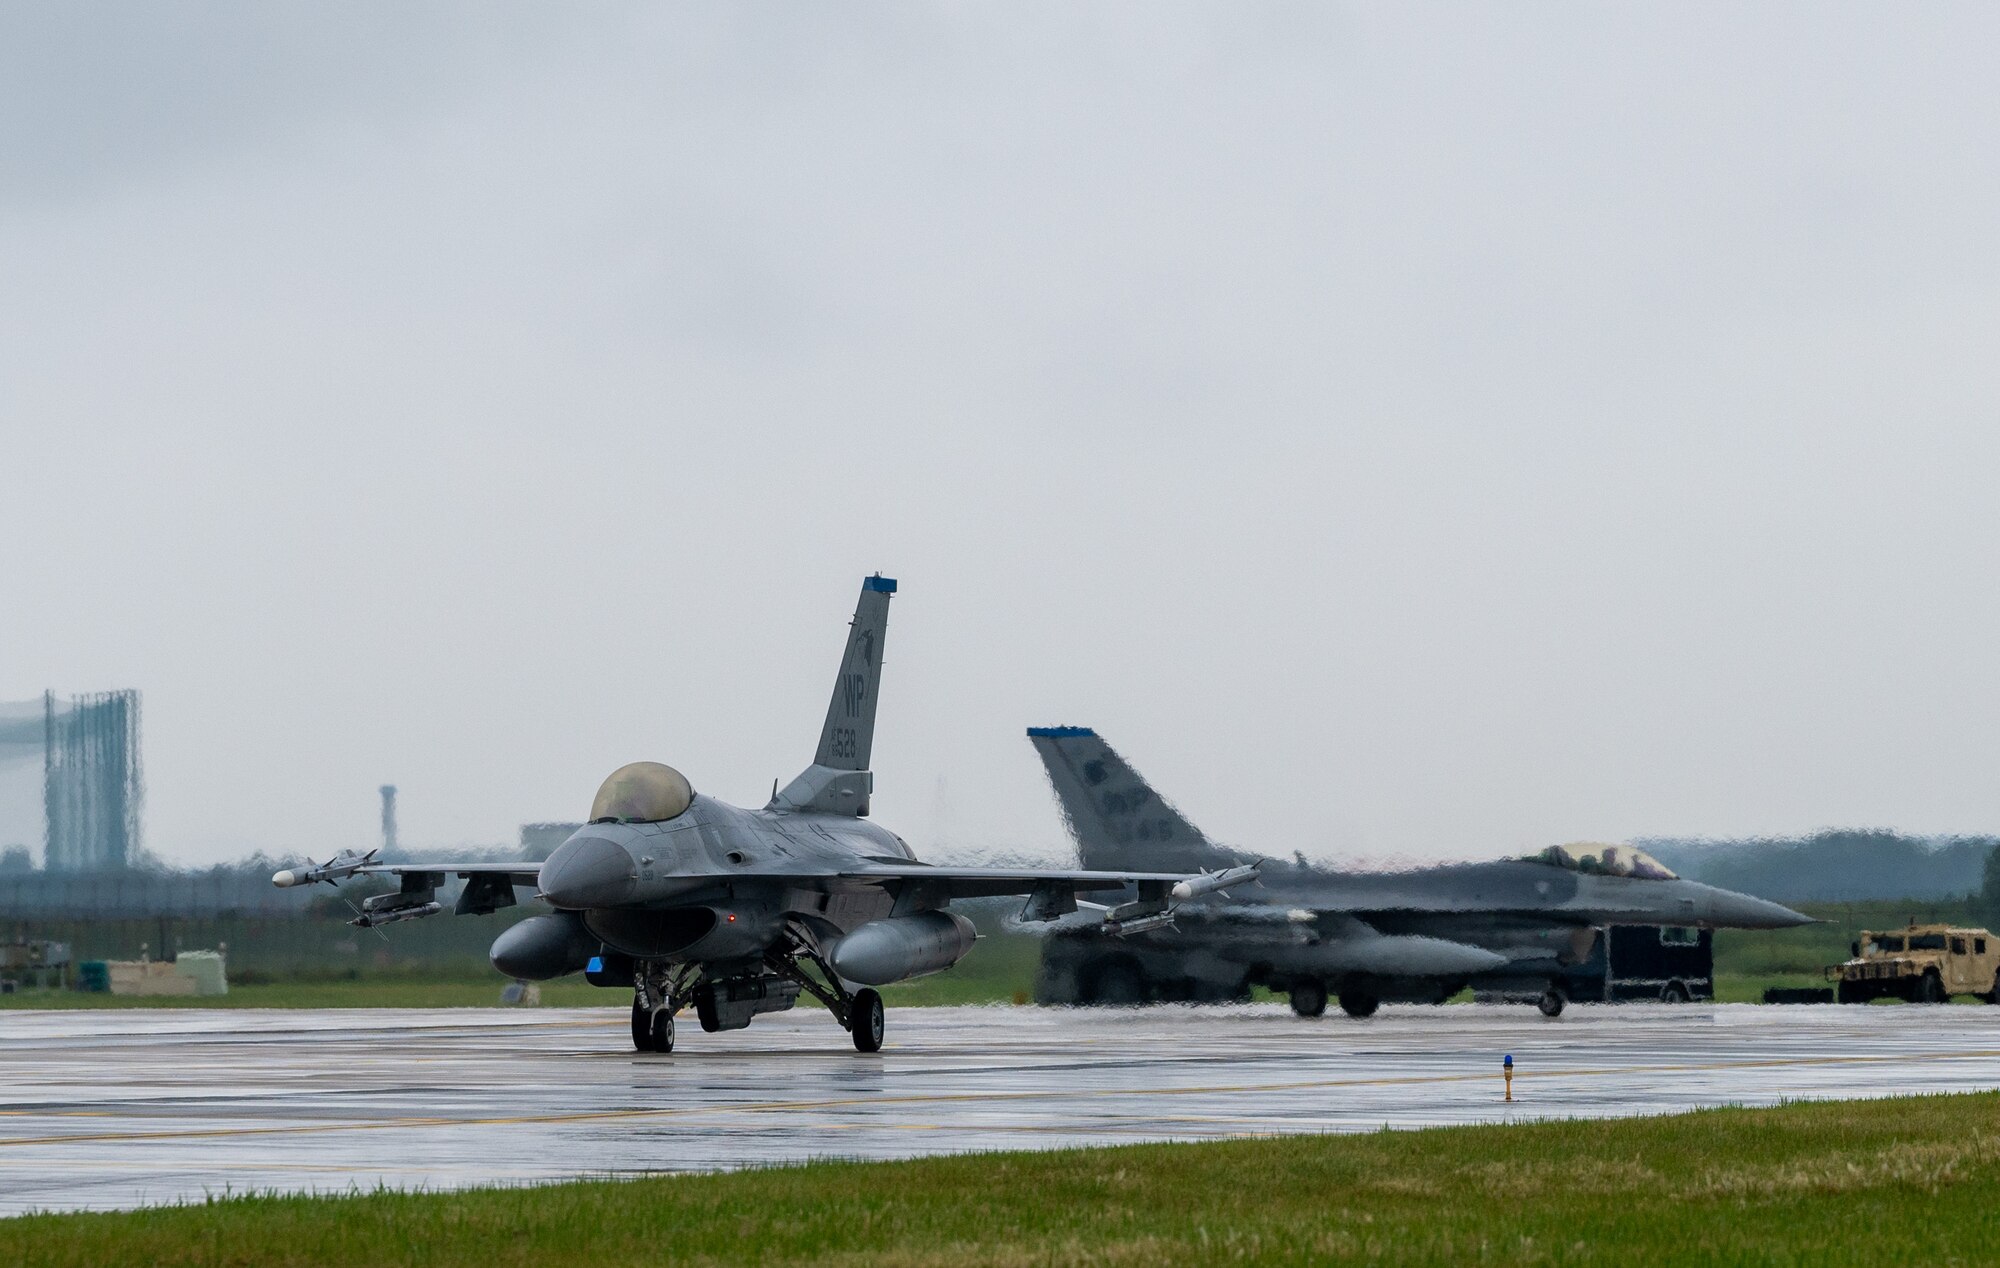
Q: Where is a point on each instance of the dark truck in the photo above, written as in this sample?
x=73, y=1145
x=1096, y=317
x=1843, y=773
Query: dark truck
x=1632, y=963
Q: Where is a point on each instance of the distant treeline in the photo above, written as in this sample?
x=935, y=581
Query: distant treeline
x=1836, y=866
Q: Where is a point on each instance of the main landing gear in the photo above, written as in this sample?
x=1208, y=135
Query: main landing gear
x=1308, y=998
x=859, y=1011
x=727, y=1000
x=866, y=1022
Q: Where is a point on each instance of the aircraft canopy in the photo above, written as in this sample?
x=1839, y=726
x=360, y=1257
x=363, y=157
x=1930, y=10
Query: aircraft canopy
x=1606, y=860
x=643, y=792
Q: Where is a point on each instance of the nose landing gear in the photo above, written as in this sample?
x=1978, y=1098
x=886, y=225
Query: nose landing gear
x=656, y=997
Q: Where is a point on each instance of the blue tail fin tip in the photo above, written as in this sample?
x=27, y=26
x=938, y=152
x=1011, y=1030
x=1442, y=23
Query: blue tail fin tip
x=887, y=585
x=1062, y=732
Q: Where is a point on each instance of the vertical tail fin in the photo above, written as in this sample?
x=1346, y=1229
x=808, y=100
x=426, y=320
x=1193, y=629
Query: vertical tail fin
x=1119, y=822
x=839, y=780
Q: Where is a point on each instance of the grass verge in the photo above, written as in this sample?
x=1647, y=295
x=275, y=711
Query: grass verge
x=998, y=971
x=1906, y=1180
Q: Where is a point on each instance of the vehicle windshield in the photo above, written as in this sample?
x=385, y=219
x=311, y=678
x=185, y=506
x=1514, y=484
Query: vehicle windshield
x=1882, y=942
x=1606, y=860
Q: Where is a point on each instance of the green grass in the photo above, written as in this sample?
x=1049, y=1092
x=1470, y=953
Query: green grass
x=1905, y=1181
x=386, y=992
x=996, y=971
x=1000, y=969
x=1805, y=951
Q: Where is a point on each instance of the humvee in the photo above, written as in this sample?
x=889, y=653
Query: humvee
x=1924, y=964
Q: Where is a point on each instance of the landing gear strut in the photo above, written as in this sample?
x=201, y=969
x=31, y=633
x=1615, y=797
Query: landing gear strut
x=860, y=1012
x=656, y=997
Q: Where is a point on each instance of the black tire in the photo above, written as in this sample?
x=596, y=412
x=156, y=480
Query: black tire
x=1993, y=996
x=1675, y=994
x=1932, y=991
x=865, y=1011
x=663, y=1031
x=1309, y=998
x=1358, y=1003
x=1846, y=992
x=1551, y=1002
x=1117, y=984
x=642, y=1027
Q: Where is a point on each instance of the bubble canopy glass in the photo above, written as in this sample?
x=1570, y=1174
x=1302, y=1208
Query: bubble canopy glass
x=643, y=792
x=1606, y=860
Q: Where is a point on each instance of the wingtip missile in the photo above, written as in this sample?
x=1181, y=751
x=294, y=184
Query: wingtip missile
x=338, y=868
x=1213, y=882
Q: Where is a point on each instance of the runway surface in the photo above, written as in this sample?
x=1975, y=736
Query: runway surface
x=120, y=1109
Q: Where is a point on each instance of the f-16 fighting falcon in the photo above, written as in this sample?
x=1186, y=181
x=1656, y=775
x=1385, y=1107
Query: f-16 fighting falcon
x=1412, y=936
x=690, y=900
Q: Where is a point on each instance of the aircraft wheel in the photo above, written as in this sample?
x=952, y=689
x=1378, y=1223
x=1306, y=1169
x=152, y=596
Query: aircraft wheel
x=663, y=1031
x=1309, y=998
x=1358, y=1003
x=1674, y=994
x=704, y=1008
x=642, y=1028
x=866, y=1013
x=1551, y=1003
x=1117, y=983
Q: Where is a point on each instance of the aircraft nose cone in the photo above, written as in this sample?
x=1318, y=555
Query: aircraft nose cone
x=588, y=872
x=1731, y=910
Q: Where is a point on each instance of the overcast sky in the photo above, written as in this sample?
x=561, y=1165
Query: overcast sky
x=1403, y=432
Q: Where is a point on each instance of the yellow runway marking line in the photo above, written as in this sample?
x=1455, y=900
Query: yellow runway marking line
x=948, y=1098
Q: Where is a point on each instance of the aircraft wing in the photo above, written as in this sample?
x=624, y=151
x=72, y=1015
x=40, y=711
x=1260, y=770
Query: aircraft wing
x=347, y=863
x=522, y=873
x=1052, y=893
x=995, y=882
x=488, y=886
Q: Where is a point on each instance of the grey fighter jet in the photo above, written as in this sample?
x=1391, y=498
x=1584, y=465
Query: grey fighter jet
x=1413, y=936
x=685, y=899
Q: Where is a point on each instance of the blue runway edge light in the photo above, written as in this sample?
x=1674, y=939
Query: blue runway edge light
x=887, y=585
x=596, y=964
x=1061, y=732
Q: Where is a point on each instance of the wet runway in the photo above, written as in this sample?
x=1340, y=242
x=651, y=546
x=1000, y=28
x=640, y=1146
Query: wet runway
x=116, y=1109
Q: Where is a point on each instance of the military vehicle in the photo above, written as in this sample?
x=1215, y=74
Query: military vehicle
x=1517, y=926
x=687, y=900
x=1631, y=964
x=1924, y=964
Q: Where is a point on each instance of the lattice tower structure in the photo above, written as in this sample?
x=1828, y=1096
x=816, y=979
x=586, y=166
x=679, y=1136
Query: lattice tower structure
x=93, y=787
